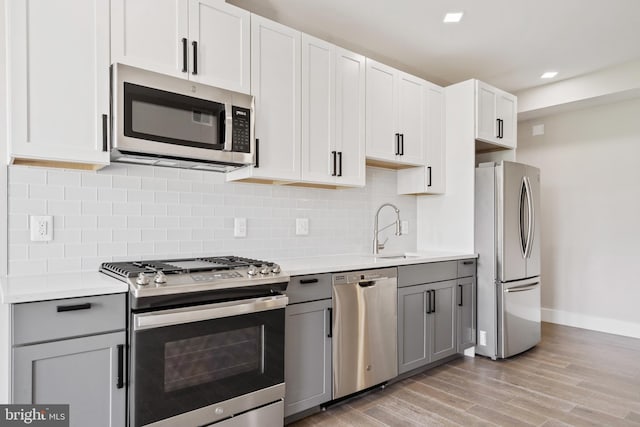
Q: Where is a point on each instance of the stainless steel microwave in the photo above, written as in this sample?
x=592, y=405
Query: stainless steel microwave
x=168, y=121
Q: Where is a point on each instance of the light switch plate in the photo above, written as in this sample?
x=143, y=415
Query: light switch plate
x=302, y=226
x=41, y=228
x=240, y=227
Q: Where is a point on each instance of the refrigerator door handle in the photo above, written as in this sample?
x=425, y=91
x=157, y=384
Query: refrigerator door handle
x=521, y=288
x=532, y=221
x=523, y=238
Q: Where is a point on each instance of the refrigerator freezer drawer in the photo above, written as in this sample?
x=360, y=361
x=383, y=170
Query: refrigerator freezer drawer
x=519, y=325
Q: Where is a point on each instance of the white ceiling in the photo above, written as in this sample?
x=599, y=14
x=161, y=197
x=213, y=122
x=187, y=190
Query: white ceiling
x=507, y=43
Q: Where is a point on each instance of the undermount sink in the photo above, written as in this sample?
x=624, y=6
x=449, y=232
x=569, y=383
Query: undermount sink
x=394, y=256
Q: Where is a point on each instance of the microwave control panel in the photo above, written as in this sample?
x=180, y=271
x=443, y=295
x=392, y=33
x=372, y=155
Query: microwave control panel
x=241, y=134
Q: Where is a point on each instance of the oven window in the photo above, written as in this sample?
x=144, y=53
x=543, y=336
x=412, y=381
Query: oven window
x=209, y=358
x=157, y=115
x=179, y=368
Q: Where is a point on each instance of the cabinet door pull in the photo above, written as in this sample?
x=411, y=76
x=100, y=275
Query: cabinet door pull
x=74, y=307
x=429, y=171
x=105, y=139
x=460, y=303
x=397, y=144
x=257, y=163
x=402, y=144
x=433, y=304
x=185, y=54
x=195, y=57
x=497, y=128
x=330, y=312
x=467, y=262
x=333, y=157
x=340, y=162
x=308, y=281
x=120, y=382
x=429, y=302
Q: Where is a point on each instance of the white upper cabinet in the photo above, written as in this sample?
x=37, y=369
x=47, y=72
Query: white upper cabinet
x=429, y=179
x=395, y=117
x=275, y=83
x=58, y=82
x=207, y=41
x=496, y=116
x=350, y=117
x=333, y=88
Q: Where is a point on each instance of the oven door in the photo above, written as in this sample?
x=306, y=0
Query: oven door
x=196, y=365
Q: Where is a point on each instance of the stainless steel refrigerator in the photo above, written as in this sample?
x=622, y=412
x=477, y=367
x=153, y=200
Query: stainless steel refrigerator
x=507, y=240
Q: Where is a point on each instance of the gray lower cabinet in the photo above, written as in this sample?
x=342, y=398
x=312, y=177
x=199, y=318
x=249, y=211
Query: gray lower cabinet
x=466, y=300
x=426, y=324
x=85, y=371
x=307, y=358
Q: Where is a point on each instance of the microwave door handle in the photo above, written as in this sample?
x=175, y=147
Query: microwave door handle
x=227, y=126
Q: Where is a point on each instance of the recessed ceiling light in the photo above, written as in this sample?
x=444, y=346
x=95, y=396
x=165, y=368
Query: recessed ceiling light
x=549, y=75
x=453, y=17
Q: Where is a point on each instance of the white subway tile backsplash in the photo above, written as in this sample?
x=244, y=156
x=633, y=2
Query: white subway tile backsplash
x=80, y=193
x=27, y=175
x=112, y=249
x=127, y=182
x=131, y=211
x=79, y=250
x=64, y=178
x=111, y=222
x=62, y=265
x=94, y=180
x=64, y=207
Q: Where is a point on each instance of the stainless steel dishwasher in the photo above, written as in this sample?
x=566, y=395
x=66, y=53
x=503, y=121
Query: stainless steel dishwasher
x=364, y=329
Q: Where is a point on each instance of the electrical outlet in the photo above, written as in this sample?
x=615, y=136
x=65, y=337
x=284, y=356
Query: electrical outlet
x=240, y=227
x=41, y=228
x=404, y=227
x=302, y=226
x=482, y=338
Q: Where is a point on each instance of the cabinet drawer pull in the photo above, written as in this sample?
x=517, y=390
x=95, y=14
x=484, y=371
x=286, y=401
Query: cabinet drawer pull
x=184, y=55
x=120, y=382
x=307, y=281
x=74, y=307
x=467, y=262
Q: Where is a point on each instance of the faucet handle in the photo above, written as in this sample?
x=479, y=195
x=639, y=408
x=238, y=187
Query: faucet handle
x=381, y=245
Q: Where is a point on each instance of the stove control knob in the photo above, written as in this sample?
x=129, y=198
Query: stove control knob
x=142, y=279
x=275, y=269
x=252, y=270
x=265, y=270
x=160, y=278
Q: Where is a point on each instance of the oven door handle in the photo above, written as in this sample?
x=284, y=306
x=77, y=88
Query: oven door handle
x=199, y=313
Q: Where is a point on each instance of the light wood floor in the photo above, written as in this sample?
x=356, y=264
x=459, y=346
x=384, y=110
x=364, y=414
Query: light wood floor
x=573, y=377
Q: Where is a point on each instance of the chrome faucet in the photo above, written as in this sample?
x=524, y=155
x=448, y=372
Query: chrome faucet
x=377, y=247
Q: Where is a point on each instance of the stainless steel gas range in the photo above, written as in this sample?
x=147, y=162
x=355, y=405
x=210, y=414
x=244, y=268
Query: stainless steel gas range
x=206, y=341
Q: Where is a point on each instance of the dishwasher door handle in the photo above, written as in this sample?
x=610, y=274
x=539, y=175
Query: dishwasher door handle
x=367, y=284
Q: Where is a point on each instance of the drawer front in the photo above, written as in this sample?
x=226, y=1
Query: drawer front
x=466, y=267
x=64, y=318
x=417, y=274
x=309, y=288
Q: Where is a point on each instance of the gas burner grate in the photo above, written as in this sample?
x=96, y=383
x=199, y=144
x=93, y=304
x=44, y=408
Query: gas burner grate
x=235, y=261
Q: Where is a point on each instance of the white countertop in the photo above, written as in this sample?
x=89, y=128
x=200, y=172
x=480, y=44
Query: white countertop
x=70, y=285
x=55, y=286
x=336, y=263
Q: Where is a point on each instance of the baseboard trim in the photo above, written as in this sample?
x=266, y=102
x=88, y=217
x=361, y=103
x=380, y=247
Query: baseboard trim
x=594, y=323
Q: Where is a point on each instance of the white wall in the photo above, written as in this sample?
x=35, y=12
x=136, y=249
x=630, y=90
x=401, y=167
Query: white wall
x=590, y=180
x=141, y=212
